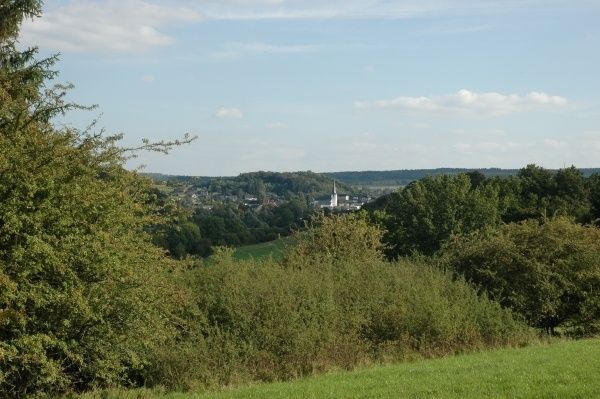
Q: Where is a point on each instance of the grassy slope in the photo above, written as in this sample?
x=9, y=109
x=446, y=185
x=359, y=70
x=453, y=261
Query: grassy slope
x=562, y=370
x=262, y=250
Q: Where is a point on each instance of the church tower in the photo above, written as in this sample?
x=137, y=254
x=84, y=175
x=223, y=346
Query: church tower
x=334, y=197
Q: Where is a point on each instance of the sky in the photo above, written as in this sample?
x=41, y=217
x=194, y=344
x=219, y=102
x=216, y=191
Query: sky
x=334, y=85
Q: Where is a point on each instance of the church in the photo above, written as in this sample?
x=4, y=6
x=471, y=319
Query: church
x=342, y=203
x=334, y=197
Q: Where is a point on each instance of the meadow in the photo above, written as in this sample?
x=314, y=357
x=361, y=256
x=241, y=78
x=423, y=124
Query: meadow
x=565, y=369
x=262, y=250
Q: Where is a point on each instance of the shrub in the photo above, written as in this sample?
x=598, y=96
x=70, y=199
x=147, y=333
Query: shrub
x=271, y=321
x=549, y=272
x=337, y=237
x=85, y=298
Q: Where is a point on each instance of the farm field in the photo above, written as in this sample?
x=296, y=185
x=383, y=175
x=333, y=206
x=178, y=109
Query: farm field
x=568, y=369
x=262, y=250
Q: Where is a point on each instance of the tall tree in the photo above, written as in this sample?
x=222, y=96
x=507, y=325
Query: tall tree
x=84, y=295
x=548, y=272
x=427, y=212
x=593, y=184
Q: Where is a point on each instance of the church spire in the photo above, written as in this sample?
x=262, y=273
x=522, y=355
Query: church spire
x=334, y=197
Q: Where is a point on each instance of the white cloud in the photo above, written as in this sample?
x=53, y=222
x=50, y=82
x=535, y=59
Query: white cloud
x=229, y=113
x=359, y=9
x=236, y=50
x=543, y=98
x=554, y=144
x=491, y=146
x=106, y=26
x=592, y=133
x=258, y=47
x=465, y=101
x=580, y=150
x=149, y=78
x=137, y=25
x=277, y=126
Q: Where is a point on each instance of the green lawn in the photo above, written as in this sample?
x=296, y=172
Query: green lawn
x=262, y=250
x=561, y=370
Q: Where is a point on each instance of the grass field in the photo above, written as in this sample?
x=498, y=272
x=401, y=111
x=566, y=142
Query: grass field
x=568, y=369
x=262, y=250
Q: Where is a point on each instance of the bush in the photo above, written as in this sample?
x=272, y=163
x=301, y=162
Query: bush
x=267, y=321
x=85, y=298
x=337, y=237
x=549, y=272
x=422, y=309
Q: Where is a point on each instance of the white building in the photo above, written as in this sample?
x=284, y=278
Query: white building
x=334, y=197
x=342, y=202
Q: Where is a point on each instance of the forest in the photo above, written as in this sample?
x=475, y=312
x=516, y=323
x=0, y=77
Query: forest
x=403, y=177
x=88, y=300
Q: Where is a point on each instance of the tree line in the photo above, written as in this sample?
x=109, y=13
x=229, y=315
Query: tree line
x=529, y=241
x=422, y=215
x=231, y=224
x=406, y=176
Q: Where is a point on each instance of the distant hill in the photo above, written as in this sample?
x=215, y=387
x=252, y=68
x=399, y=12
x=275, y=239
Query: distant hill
x=320, y=183
x=405, y=176
x=279, y=183
x=158, y=177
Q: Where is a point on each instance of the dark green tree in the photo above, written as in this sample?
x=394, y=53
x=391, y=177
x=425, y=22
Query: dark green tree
x=427, y=212
x=183, y=239
x=548, y=272
x=537, y=188
x=84, y=295
x=571, y=198
x=593, y=184
x=477, y=178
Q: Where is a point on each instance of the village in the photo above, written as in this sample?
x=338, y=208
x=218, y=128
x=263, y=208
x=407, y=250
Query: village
x=203, y=197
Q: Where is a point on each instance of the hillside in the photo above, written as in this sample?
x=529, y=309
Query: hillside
x=562, y=370
x=310, y=182
x=405, y=176
x=260, y=183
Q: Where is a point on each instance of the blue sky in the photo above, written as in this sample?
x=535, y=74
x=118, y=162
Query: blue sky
x=335, y=85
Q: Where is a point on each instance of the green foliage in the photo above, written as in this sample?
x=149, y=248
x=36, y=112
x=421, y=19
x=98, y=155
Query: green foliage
x=427, y=212
x=326, y=306
x=84, y=295
x=82, y=286
x=545, y=193
x=422, y=215
x=230, y=225
x=407, y=176
x=262, y=184
x=337, y=237
x=12, y=13
x=548, y=272
x=593, y=184
x=182, y=239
